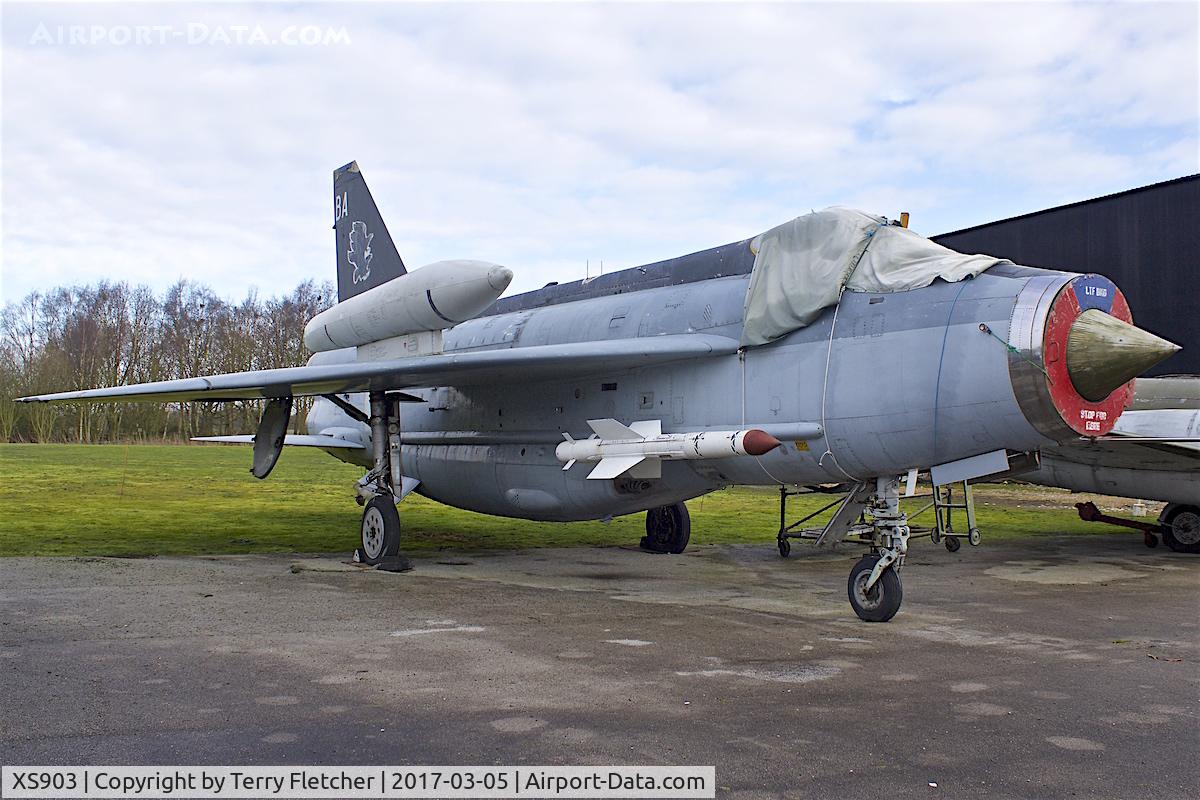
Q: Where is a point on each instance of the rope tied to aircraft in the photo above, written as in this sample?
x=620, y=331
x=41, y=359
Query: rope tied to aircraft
x=984, y=328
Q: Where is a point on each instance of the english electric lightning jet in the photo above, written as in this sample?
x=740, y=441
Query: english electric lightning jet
x=839, y=347
x=1153, y=454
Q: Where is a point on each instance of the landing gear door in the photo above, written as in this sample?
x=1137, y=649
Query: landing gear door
x=268, y=439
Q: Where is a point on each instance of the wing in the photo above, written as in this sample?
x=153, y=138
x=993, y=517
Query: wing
x=1117, y=454
x=451, y=369
x=291, y=440
x=1161, y=439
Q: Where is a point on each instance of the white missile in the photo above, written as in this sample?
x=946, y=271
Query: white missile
x=639, y=448
x=434, y=297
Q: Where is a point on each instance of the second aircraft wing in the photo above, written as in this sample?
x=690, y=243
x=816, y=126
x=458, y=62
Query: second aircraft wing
x=1160, y=439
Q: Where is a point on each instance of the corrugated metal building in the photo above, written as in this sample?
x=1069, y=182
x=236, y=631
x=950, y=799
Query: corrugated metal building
x=1146, y=240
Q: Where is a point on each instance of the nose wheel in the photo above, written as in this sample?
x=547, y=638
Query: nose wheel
x=878, y=602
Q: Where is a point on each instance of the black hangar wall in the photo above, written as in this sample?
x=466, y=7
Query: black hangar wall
x=1146, y=240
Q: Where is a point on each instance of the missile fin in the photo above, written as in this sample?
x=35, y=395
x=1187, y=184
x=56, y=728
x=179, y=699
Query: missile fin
x=647, y=429
x=611, y=429
x=649, y=469
x=569, y=464
x=614, y=467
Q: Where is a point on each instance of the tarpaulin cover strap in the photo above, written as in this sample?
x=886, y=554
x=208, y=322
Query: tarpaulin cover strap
x=802, y=267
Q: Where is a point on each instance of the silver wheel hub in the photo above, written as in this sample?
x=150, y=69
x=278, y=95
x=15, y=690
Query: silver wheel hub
x=1186, y=528
x=867, y=600
x=373, y=533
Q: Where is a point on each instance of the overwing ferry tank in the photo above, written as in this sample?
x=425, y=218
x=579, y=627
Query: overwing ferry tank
x=434, y=297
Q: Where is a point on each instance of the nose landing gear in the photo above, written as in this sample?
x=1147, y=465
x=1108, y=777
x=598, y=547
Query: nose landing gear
x=869, y=516
x=874, y=585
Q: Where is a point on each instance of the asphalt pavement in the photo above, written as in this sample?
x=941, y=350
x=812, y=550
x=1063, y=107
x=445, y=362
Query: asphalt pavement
x=1049, y=667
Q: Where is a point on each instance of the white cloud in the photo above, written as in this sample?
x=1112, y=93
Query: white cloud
x=542, y=136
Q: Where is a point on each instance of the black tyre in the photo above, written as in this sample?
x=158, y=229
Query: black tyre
x=1182, y=531
x=380, y=530
x=952, y=544
x=668, y=529
x=883, y=600
x=785, y=548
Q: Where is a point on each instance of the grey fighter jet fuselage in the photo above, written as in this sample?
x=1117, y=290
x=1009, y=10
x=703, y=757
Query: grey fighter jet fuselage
x=897, y=381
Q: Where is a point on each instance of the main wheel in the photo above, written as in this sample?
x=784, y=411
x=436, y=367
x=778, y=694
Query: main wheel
x=785, y=547
x=668, y=529
x=380, y=530
x=1182, y=532
x=883, y=600
x=952, y=544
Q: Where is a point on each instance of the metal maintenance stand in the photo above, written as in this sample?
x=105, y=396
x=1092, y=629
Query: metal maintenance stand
x=944, y=507
x=849, y=522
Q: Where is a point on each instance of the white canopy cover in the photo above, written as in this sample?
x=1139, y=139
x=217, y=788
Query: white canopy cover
x=802, y=266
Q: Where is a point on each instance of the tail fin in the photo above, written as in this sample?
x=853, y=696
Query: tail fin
x=366, y=256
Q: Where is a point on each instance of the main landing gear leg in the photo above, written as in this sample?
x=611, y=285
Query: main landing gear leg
x=874, y=585
x=380, y=541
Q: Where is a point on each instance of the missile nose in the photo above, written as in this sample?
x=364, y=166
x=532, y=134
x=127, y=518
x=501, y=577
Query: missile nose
x=759, y=443
x=499, y=278
x=1103, y=353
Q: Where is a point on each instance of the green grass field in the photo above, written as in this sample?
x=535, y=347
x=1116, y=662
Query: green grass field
x=138, y=500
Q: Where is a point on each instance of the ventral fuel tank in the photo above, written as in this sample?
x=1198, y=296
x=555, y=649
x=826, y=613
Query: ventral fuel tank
x=434, y=297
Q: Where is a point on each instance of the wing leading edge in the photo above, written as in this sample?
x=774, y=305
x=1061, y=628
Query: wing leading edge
x=1156, y=439
x=290, y=440
x=511, y=365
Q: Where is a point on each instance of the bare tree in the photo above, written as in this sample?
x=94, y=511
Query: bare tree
x=111, y=334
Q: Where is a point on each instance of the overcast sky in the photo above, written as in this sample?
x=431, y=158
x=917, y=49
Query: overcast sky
x=543, y=136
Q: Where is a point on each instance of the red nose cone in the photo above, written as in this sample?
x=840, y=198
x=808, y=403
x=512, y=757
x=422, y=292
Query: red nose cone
x=759, y=443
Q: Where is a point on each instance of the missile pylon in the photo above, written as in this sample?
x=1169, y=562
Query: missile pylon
x=640, y=448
